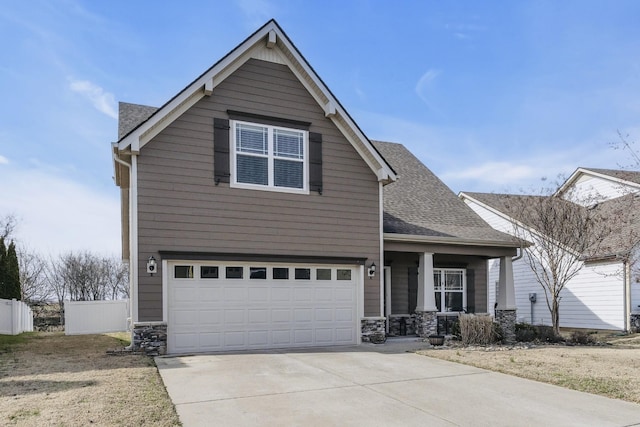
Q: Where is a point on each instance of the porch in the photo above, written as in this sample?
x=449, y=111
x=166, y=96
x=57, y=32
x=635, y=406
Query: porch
x=424, y=292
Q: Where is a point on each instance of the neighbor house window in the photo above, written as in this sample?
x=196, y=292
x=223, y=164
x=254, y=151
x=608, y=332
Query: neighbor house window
x=269, y=157
x=451, y=289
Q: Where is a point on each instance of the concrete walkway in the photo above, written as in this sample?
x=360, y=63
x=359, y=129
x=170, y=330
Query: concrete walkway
x=370, y=385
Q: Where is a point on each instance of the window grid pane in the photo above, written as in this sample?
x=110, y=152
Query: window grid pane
x=288, y=144
x=251, y=139
x=343, y=274
x=253, y=170
x=208, y=272
x=303, y=274
x=287, y=173
x=183, y=272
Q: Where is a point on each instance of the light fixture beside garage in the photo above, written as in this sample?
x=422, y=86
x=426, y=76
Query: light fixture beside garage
x=372, y=270
x=152, y=266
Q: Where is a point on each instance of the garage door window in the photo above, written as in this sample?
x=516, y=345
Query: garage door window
x=258, y=272
x=183, y=272
x=233, y=272
x=303, y=274
x=323, y=274
x=344, y=274
x=280, y=273
x=208, y=272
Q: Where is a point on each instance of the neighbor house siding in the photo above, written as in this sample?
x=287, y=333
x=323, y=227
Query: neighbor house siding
x=594, y=298
x=590, y=189
x=181, y=208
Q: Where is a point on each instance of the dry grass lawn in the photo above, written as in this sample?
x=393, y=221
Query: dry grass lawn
x=611, y=370
x=49, y=379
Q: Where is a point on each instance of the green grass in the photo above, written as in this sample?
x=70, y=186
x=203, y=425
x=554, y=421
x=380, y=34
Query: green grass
x=7, y=342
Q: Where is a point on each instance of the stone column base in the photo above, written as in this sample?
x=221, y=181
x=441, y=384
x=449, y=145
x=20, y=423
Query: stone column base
x=507, y=321
x=634, y=327
x=150, y=338
x=426, y=323
x=373, y=329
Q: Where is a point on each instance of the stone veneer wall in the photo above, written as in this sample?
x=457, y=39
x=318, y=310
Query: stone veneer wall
x=150, y=338
x=373, y=329
x=396, y=319
x=426, y=323
x=507, y=321
x=635, y=323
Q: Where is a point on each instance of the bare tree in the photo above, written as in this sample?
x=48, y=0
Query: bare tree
x=55, y=278
x=562, y=234
x=35, y=287
x=115, y=276
x=8, y=225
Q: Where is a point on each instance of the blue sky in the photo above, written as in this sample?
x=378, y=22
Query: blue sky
x=492, y=96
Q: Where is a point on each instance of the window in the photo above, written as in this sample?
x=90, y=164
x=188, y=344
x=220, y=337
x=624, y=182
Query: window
x=450, y=286
x=208, y=272
x=258, y=272
x=280, y=273
x=344, y=274
x=323, y=274
x=269, y=157
x=303, y=274
x=233, y=272
x=183, y=272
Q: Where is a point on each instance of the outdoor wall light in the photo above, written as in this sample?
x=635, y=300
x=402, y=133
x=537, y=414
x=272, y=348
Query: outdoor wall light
x=372, y=270
x=152, y=266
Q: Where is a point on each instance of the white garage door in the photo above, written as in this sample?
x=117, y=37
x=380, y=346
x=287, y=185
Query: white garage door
x=238, y=306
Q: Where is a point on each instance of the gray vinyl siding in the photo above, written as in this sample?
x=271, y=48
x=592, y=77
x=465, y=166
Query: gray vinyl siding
x=181, y=209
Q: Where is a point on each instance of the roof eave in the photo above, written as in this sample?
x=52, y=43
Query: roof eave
x=446, y=240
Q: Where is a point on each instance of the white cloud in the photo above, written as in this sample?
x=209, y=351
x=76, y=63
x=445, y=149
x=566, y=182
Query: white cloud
x=494, y=172
x=425, y=84
x=102, y=101
x=56, y=214
x=3, y=160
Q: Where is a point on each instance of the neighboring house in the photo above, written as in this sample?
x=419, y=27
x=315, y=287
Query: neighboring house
x=252, y=217
x=605, y=294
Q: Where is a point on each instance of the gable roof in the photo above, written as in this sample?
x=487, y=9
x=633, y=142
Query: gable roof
x=420, y=204
x=624, y=177
x=624, y=211
x=268, y=43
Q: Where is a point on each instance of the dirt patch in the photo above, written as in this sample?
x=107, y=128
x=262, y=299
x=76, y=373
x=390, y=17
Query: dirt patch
x=610, y=369
x=53, y=379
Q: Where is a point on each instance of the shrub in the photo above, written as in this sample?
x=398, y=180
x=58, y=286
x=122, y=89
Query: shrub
x=546, y=334
x=580, y=337
x=526, y=332
x=478, y=330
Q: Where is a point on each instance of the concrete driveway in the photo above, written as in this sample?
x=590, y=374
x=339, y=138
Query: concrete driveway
x=370, y=385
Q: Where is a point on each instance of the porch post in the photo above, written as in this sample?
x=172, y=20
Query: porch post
x=426, y=319
x=506, y=301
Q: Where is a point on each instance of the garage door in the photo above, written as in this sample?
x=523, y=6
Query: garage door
x=238, y=306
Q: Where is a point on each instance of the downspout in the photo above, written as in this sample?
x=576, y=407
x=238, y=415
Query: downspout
x=626, y=282
x=133, y=256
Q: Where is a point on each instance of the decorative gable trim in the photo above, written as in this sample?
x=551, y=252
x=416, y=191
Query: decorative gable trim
x=268, y=43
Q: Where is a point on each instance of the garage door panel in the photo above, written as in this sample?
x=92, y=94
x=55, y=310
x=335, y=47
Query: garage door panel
x=303, y=337
x=210, y=317
x=303, y=294
x=218, y=314
x=259, y=294
x=281, y=337
x=303, y=315
x=280, y=294
x=260, y=315
x=279, y=315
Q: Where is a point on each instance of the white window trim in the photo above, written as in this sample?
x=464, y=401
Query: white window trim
x=443, y=291
x=270, y=150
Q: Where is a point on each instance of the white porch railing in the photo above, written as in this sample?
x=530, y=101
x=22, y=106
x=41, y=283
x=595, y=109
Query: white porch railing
x=15, y=317
x=95, y=317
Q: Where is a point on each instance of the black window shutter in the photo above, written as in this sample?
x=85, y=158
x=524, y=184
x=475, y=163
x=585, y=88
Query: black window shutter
x=221, y=150
x=315, y=162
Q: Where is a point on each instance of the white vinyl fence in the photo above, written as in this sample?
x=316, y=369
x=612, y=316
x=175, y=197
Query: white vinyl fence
x=15, y=317
x=95, y=317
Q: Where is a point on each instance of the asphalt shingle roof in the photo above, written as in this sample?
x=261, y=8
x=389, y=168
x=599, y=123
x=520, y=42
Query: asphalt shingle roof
x=420, y=204
x=131, y=115
x=622, y=216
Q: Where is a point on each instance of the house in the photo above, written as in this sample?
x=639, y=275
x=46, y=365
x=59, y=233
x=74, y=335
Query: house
x=257, y=214
x=605, y=294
